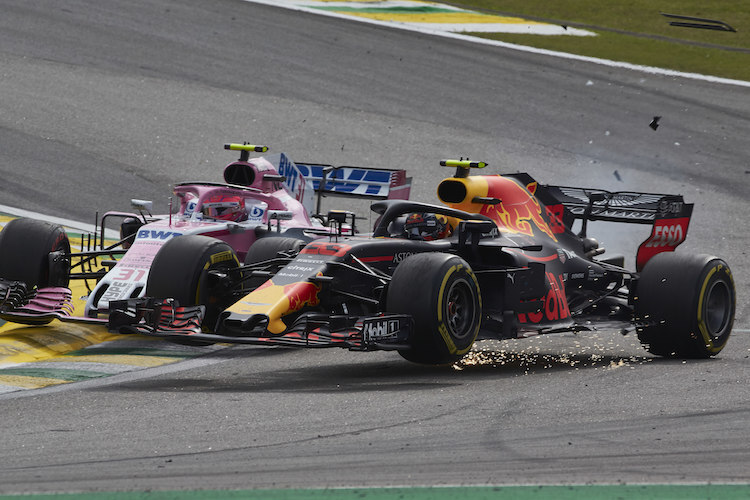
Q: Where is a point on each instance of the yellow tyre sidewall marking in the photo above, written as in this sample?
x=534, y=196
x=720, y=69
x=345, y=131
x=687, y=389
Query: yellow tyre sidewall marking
x=223, y=256
x=707, y=338
x=442, y=327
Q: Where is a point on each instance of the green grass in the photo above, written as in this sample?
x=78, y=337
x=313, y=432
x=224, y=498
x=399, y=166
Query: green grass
x=635, y=31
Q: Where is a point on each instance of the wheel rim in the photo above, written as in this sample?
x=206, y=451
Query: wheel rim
x=717, y=308
x=62, y=270
x=459, y=309
x=213, y=294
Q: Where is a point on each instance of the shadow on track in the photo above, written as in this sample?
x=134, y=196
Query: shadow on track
x=298, y=371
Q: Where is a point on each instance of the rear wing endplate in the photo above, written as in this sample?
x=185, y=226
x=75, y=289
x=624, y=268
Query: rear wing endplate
x=668, y=215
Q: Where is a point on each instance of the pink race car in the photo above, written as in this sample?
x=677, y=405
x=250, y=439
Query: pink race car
x=269, y=195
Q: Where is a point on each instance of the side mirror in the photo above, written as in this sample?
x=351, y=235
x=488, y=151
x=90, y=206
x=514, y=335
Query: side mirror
x=142, y=205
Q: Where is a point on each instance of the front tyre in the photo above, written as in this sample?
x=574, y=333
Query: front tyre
x=180, y=271
x=35, y=252
x=442, y=295
x=270, y=247
x=685, y=305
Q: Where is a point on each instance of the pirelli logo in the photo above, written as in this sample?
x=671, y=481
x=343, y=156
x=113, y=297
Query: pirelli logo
x=222, y=257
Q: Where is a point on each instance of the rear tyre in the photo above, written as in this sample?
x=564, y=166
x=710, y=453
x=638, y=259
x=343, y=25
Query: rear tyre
x=442, y=295
x=25, y=248
x=686, y=304
x=181, y=271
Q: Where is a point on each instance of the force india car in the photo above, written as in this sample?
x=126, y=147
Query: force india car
x=260, y=196
x=498, y=260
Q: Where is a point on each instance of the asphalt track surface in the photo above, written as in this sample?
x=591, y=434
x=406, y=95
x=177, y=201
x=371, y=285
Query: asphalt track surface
x=104, y=100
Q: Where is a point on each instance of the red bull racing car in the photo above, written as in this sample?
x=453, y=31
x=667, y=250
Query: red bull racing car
x=260, y=196
x=498, y=259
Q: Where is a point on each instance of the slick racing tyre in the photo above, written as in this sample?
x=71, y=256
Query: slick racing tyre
x=685, y=305
x=270, y=247
x=266, y=249
x=442, y=295
x=33, y=251
x=181, y=271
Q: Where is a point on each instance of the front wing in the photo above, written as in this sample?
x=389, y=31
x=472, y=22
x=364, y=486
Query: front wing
x=19, y=304
x=167, y=319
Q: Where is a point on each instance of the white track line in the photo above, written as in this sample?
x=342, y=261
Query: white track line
x=484, y=41
x=75, y=225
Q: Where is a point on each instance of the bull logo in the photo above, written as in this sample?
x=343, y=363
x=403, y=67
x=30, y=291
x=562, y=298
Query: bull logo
x=518, y=208
x=301, y=294
x=277, y=301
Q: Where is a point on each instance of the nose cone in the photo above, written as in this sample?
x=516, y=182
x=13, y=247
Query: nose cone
x=274, y=302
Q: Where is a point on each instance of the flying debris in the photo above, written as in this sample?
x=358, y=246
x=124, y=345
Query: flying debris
x=655, y=122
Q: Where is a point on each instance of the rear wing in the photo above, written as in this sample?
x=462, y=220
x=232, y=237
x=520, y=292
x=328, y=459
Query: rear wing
x=612, y=206
x=668, y=215
x=376, y=183
x=362, y=182
x=303, y=180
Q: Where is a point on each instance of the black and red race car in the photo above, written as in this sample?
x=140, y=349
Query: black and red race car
x=499, y=259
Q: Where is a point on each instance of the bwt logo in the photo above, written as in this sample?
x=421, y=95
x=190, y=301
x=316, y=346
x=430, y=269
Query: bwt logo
x=256, y=212
x=152, y=234
x=286, y=168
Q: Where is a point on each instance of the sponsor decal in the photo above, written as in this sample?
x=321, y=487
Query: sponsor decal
x=323, y=248
x=670, y=207
x=309, y=261
x=115, y=290
x=349, y=180
x=255, y=211
x=595, y=275
x=297, y=267
x=222, y=257
x=554, y=303
x=400, y=256
x=375, y=329
x=666, y=235
x=276, y=301
x=614, y=213
x=153, y=234
x=518, y=210
x=129, y=275
x=555, y=215
x=294, y=182
x=301, y=294
x=190, y=207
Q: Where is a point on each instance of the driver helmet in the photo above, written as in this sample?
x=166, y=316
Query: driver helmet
x=427, y=227
x=225, y=207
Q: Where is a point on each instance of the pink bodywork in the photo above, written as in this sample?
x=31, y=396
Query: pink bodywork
x=127, y=279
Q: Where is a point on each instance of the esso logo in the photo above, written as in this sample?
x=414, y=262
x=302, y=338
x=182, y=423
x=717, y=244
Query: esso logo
x=666, y=236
